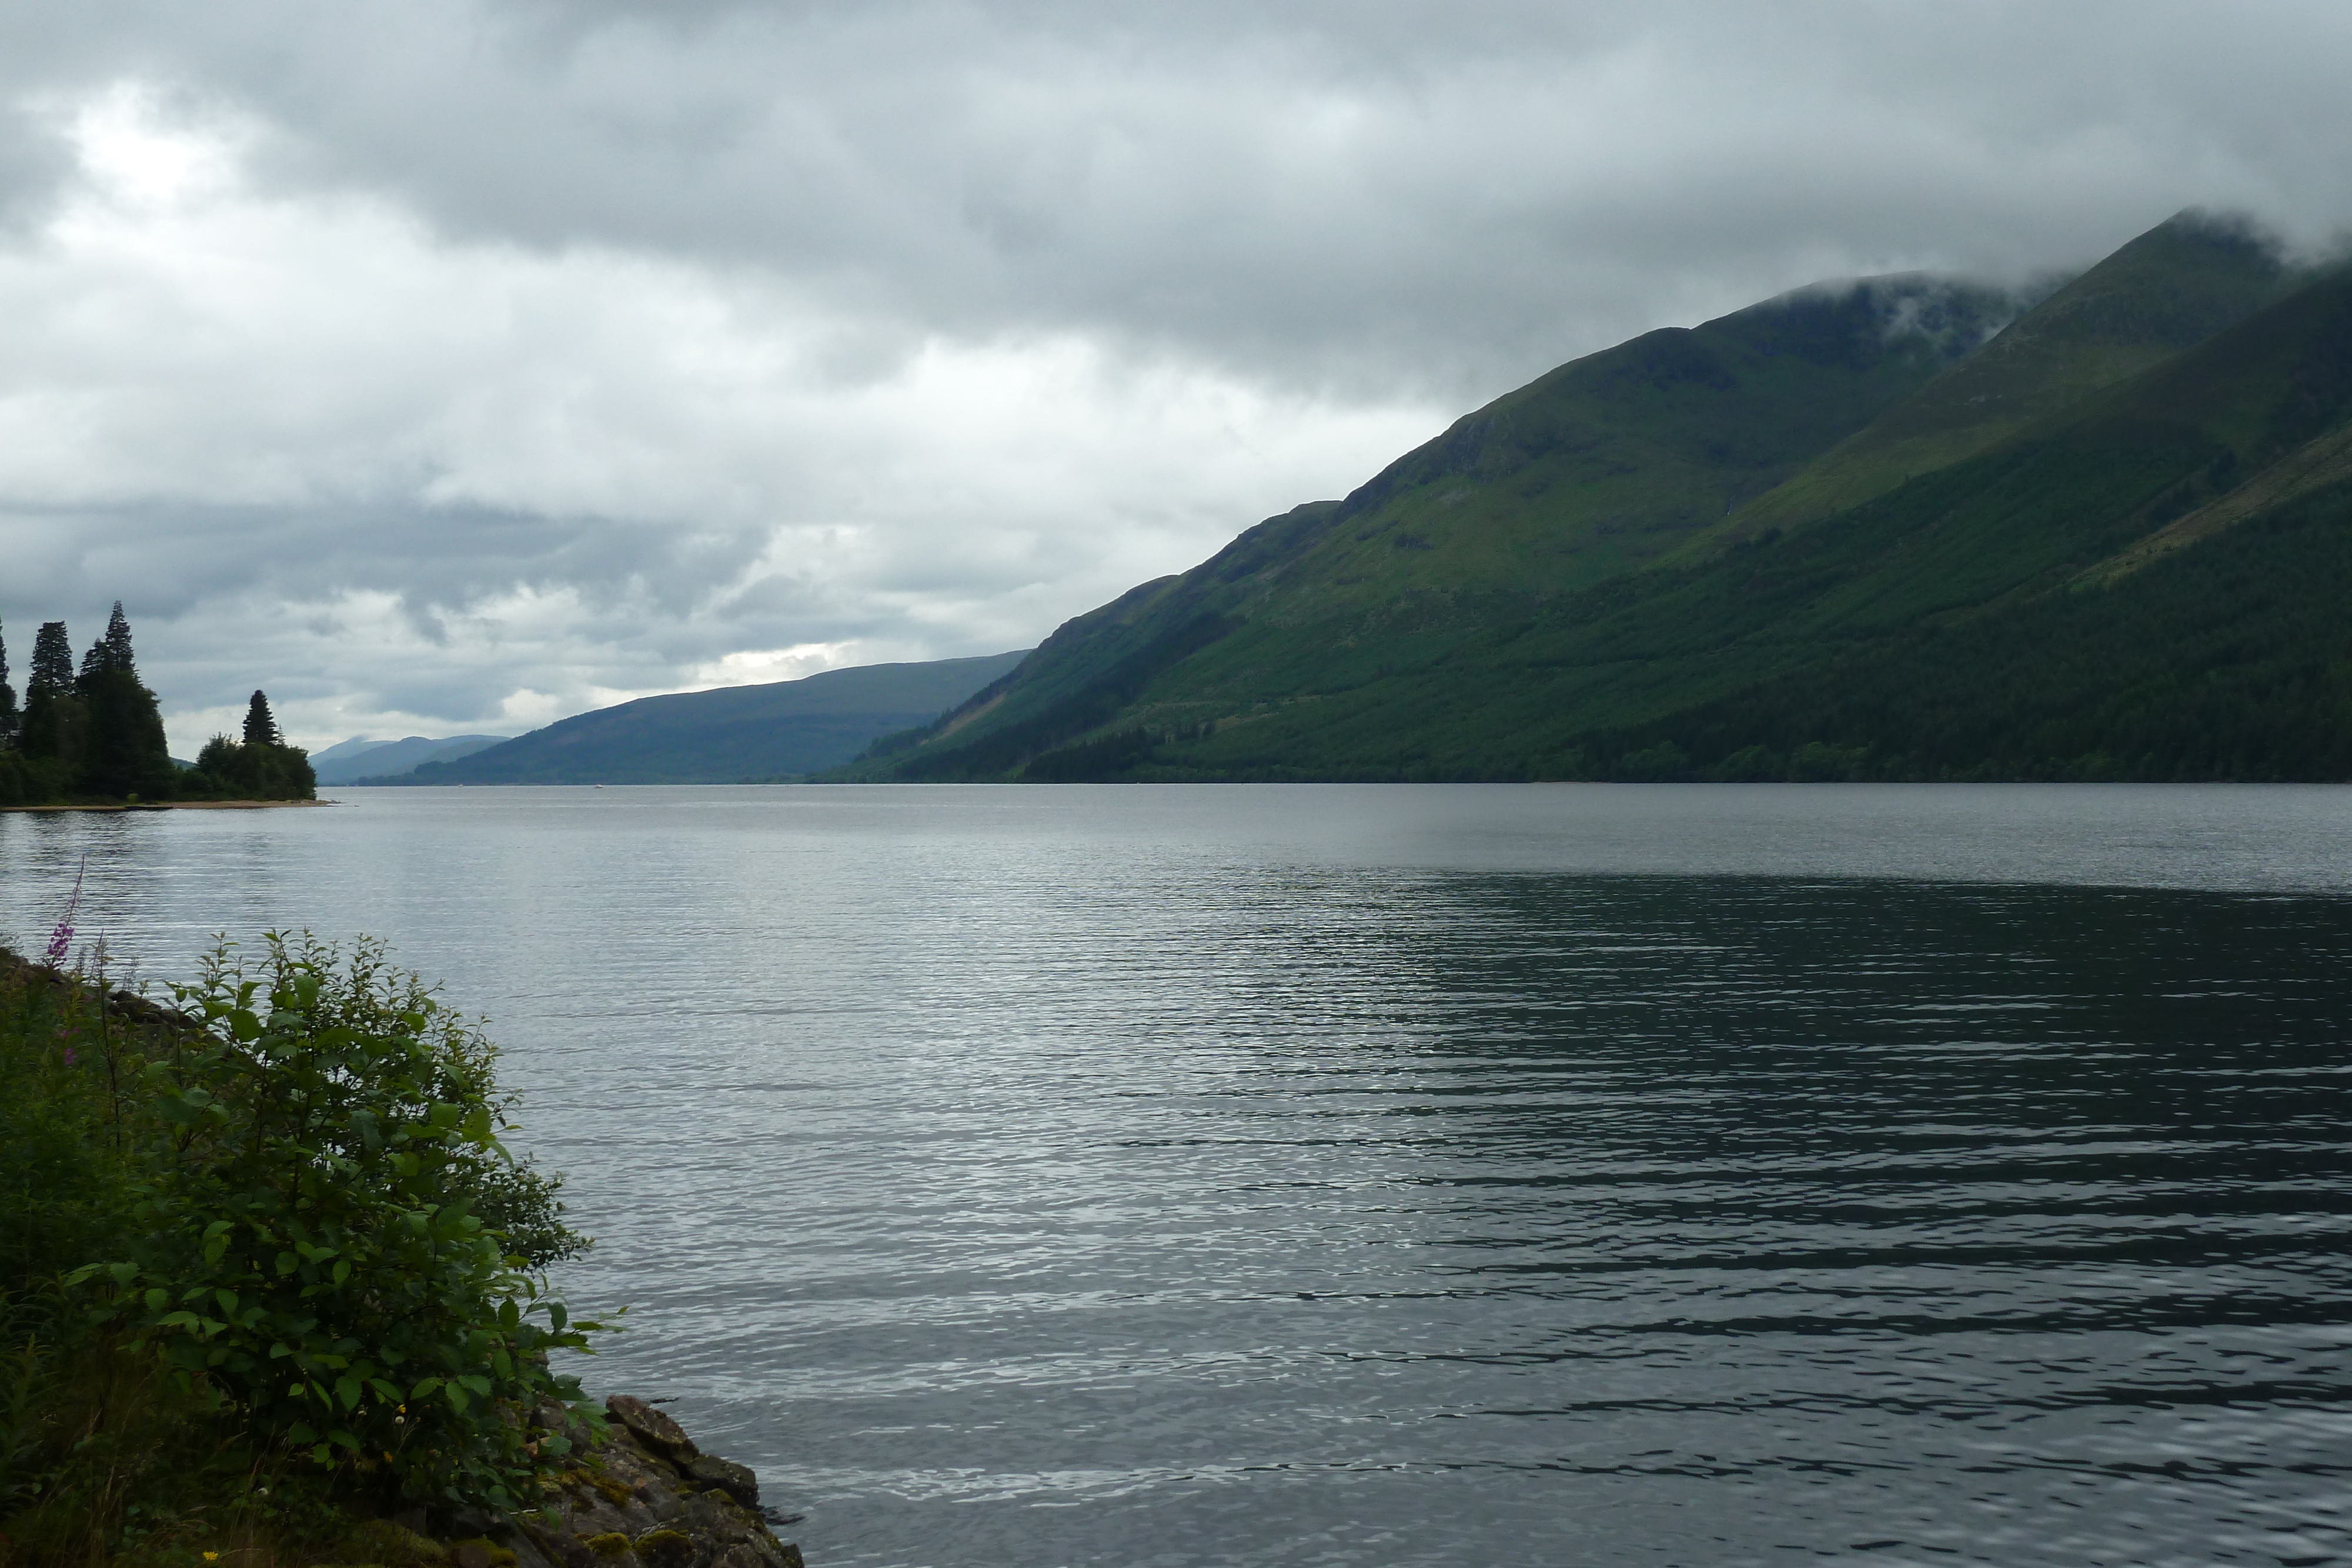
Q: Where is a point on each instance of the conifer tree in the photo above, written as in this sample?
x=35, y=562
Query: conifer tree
x=52, y=672
x=126, y=753
x=52, y=725
x=260, y=724
x=118, y=640
x=7, y=702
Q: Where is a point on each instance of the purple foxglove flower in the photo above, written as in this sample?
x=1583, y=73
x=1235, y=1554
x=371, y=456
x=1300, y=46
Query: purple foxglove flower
x=61, y=939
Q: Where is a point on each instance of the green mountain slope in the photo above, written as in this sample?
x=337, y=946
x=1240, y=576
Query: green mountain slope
x=2040, y=576
x=1609, y=462
x=1598, y=468
x=2166, y=291
x=1979, y=622
x=783, y=730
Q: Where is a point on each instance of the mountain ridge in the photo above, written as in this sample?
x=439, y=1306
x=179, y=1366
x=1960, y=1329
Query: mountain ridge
x=1602, y=464
x=348, y=761
x=772, y=732
x=2161, y=293
x=1259, y=664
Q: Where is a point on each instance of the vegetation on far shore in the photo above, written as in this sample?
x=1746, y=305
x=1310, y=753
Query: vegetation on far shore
x=269, y=1281
x=96, y=736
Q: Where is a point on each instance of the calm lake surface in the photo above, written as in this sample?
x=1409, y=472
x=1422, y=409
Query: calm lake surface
x=1547, y=1174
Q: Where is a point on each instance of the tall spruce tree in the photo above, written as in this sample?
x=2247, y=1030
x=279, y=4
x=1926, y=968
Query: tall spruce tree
x=52, y=672
x=126, y=753
x=260, y=724
x=111, y=654
x=117, y=640
x=54, y=727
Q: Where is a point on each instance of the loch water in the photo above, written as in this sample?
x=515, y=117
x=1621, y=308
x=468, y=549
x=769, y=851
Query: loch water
x=1546, y=1174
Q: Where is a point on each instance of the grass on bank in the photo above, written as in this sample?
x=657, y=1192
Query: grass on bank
x=268, y=1279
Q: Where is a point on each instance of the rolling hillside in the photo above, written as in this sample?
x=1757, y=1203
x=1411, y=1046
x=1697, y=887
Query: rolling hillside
x=736, y=735
x=349, y=761
x=2120, y=517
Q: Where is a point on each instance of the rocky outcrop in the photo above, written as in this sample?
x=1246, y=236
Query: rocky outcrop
x=645, y=1497
x=130, y=1008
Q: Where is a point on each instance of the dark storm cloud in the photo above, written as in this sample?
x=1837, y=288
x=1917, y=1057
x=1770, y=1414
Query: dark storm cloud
x=527, y=354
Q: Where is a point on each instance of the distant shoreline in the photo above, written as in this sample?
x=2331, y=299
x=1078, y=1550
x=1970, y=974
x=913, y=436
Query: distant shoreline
x=176, y=806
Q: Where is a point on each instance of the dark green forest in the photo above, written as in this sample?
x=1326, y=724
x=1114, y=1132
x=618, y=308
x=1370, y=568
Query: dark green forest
x=94, y=736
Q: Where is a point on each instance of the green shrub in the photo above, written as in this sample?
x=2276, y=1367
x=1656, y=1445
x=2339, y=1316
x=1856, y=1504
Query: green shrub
x=325, y=1246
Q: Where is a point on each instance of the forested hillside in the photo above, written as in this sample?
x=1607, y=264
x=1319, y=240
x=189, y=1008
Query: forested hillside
x=2104, y=542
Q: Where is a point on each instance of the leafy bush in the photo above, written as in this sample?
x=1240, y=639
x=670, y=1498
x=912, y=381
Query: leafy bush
x=295, y=1211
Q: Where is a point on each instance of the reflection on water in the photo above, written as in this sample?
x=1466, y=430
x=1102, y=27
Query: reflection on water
x=1329, y=1177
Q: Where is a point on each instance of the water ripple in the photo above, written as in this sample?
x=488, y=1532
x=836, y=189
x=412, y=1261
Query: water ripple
x=1401, y=1177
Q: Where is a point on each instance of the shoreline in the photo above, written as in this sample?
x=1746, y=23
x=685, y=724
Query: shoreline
x=176, y=806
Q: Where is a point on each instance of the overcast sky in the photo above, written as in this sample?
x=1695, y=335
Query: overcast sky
x=455, y=365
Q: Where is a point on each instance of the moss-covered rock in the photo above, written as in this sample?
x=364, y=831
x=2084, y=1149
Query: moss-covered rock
x=633, y=1501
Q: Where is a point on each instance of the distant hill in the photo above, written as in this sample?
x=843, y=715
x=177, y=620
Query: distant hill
x=346, y=748
x=2110, y=541
x=735, y=735
x=348, y=761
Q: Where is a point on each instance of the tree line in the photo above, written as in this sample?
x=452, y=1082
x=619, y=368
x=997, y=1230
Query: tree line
x=95, y=734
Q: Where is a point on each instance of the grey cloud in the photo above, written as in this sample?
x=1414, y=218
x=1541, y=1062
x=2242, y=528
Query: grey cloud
x=1312, y=191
